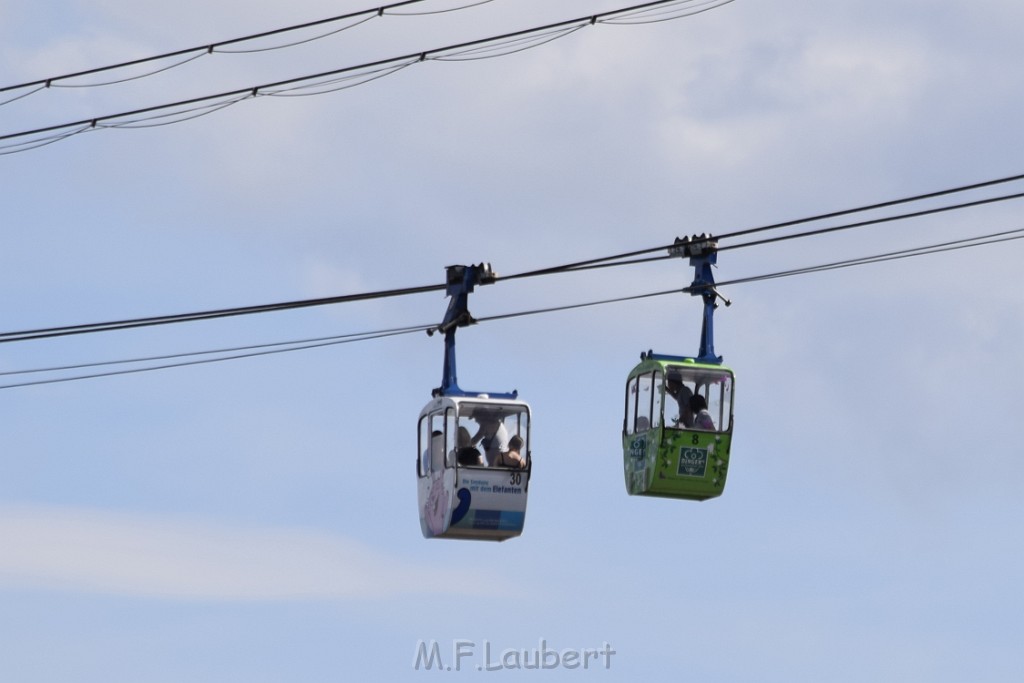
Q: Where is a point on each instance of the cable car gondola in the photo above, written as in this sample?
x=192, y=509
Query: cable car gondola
x=677, y=429
x=474, y=461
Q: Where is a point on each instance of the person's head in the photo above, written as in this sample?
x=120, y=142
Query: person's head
x=675, y=387
x=697, y=403
x=515, y=443
x=485, y=417
x=469, y=456
x=464, y=437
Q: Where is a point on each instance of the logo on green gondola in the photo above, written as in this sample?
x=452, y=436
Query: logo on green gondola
x=638, y=452
x=693, y=462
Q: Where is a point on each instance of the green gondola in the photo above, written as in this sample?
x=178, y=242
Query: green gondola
x=670, y=449
x=678, y=418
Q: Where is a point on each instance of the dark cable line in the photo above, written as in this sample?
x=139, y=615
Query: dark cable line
x=179, y=116
x=46, y=333
x=604, y=262
x=488, y=51
x=241, y=94
x=210, y=352
x=112, y=373
x=668, y=14
x=877, y=221
x=210, y=48
x=569, y=307
x=332, y=85
x=42, y=142
x=871, y=207
x=981, y=240
x=619, y=259
x=626, y=258
x=291, y=346
x=22, y=95
x=440, y=11
x=954, y=245
x=126, y=79
x=321, y=36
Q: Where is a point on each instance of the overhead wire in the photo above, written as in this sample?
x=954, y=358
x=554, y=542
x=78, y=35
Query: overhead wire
x=216, y=47
x=343, y=82
x=125, y=79
x=508, y=47
x=658, y=15
x=621, y=259
x=303, y=41
x=441, y=11
x=255, y=350
x=953, y=245
x=627, y=258
x=264, y=350
x=133, y=323
x=878, y=205
x=297, y=344
x=486, y=48
x=494, y=46
x=22, y=95
x=876, y=221
x=571, y=307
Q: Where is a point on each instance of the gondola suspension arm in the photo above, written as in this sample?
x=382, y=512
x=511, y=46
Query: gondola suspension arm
x=702, y=250
x=460, y=281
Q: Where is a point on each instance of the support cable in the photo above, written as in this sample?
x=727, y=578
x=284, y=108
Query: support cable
x=49, y=332
x=279, y=348
x=626, y=258
x=875, y=221
x=190, y=53
x=622, y=259
x=512, y=42
x=255, y=350
x=871, y=207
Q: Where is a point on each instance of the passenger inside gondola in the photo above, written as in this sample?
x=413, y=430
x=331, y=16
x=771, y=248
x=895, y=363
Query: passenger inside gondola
x=675, y=388
x=492, y=436
x=513, y=458
x=701, y=416
x=466, y=453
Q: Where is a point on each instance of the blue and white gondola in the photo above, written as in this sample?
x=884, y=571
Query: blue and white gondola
x=473, y=460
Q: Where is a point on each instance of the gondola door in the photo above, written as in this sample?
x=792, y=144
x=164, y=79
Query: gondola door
x=435, y=470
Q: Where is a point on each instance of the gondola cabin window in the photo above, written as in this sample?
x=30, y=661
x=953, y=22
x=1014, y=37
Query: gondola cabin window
x=698, y=398
x=493, y=435
x=644, y=400
x=436, y=434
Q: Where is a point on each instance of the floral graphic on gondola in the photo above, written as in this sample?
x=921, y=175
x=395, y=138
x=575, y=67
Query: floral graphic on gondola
x=436, y=507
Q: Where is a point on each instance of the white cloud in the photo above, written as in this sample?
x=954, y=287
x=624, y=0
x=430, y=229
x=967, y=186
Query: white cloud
x=325, y=278
x=848, y=79
x=128, y=554
x=692, y=141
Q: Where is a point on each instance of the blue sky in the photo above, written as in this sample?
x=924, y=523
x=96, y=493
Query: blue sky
x=255, y=520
